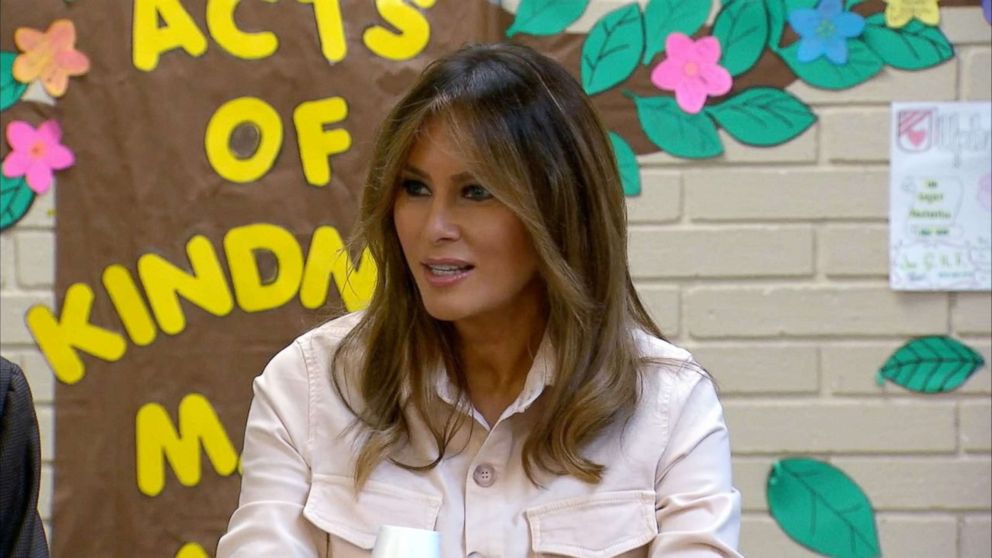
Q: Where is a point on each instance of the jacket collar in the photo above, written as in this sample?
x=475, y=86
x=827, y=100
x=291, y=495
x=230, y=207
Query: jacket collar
x=540, y=375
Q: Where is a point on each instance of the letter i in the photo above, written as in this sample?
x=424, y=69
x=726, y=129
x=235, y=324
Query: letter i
x=130, y=306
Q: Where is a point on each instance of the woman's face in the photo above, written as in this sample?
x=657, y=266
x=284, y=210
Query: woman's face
x=470, y=255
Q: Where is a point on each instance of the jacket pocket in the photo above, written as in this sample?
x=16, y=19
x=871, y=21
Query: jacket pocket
x=596, y=526
x=333, y=507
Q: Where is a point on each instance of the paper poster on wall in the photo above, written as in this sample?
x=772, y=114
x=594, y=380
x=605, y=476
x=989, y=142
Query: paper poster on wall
x=940, y=197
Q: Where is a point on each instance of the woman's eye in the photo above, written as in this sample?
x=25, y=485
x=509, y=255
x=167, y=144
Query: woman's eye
x=476, y=193
x=415, y=188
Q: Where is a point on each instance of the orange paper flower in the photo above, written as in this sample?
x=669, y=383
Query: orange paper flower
x=50, y=56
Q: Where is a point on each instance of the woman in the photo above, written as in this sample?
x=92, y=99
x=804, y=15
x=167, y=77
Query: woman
x=505, y=386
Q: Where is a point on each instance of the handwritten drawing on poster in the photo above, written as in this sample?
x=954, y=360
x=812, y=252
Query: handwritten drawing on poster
x=940, y=209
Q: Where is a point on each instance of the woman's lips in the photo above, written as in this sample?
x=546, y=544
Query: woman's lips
x=446, y=273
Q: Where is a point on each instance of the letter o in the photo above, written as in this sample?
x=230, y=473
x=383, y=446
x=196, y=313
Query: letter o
x=218, y=136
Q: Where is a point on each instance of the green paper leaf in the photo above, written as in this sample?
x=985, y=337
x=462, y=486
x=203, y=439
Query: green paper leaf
x=11, y=90
x=612, y=49
x=15, y=200
x=776, y=22
x=931, y=364
x=630, y=171
x=742, y=28
x=692, y=136
x=763, y=116
x=912, y=47
x=851, y=3
x=663, y=17
x=546, y=17
x=862, y=64
x=821, y=508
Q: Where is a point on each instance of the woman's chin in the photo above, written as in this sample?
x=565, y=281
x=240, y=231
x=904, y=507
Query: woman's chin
x=446, y=312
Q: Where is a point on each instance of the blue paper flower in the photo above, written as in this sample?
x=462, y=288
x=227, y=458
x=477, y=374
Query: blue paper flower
x=825, y=30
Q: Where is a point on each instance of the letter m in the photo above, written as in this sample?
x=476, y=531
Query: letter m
x=158, y=440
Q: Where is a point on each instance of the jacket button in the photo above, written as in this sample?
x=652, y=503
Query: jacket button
x=484, y=475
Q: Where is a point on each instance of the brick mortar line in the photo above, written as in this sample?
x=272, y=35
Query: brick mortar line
x=889, y=458
x=838, y=106
x=870, y=221
x=895, y=514
x=774, y=282
x=831, y=397
x=28, y=227
x=22, y=291
x=695, y=167
x=817, y=250
x=749, y=459
x=644, y=226
x=852, y=277
x=882, y=457
x=770, y=166
x=803, y=402
x=875, y=280
x=805, y=339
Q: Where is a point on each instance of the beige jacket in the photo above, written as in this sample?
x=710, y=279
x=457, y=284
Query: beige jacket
x=666, y=491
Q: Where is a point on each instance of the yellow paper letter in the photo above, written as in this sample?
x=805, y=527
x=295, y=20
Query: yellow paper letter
x=192, y=550
x=61, y=338
x=327, y=257
x=130, y=306
x=330, y=28
x=317, y=144
x=150, y=40
x=254, y=295
x=157, y=440
x=414, y=30
x=249, y=46
x=206, y=287
x=217, y=141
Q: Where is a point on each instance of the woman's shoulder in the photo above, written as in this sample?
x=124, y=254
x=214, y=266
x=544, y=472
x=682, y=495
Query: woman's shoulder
x=330, y=333
x=656, y=348
x=669, y=373
x=314, y=350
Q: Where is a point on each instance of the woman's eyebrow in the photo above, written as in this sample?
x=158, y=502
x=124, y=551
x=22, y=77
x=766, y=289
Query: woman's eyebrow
x=464, y=176
x=414, y=170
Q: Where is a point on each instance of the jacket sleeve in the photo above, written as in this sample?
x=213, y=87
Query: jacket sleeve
x=276, y=468
x=22, y=534
x=698, y=509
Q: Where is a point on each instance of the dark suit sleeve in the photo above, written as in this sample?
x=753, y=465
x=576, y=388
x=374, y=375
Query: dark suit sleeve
x=22, y=534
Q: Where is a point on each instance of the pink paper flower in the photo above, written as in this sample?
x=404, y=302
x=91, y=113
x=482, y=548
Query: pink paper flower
x=691, y=71
x=50, y=56
x=35, y=153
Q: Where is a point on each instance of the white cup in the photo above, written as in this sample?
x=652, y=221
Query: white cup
x=406, y=542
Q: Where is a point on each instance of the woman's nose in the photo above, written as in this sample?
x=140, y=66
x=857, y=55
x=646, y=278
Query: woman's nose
x=442, y=224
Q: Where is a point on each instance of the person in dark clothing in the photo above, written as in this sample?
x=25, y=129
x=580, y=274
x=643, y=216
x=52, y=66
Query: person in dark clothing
x=22, y=534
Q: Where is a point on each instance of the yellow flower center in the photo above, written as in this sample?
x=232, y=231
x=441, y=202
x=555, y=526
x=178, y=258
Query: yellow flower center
x=690, y=69
x=826, y=29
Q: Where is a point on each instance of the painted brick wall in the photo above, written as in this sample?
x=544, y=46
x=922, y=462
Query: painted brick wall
x=771, y=265
x=27, y=277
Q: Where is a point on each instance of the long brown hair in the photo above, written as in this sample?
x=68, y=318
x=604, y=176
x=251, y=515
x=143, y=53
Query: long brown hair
x=532, y=138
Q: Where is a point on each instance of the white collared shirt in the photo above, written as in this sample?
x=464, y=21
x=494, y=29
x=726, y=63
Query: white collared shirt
x=666, y=490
